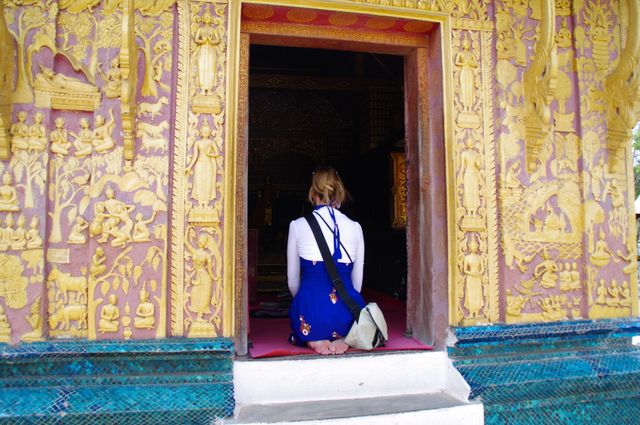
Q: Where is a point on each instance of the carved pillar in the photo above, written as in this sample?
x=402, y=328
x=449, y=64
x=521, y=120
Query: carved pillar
x=200, y=301
x=475, y=295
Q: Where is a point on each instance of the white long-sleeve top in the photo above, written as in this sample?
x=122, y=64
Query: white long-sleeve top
x=303, y=244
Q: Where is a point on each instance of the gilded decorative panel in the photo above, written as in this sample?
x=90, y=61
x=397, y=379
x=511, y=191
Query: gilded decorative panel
x=568, y=249
x=105, y=218
x=199, y=172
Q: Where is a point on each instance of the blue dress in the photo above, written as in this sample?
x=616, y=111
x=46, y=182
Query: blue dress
x=317, y=312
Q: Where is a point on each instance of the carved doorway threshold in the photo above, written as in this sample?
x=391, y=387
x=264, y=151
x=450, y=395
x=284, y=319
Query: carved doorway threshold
x=418, y=37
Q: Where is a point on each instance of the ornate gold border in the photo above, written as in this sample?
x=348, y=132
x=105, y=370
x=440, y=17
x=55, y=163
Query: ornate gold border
x=447, y=87
x=344, y=34
x=178, y=181
x=230, y=171
x=491, y=194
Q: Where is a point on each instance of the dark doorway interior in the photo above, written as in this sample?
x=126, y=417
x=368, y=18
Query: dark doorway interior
x=309, y=107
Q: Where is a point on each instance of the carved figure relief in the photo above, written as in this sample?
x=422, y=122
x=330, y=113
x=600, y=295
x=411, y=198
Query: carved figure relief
x=102, y=133
x=35, y=320
x=474, y=268
x=60, y=138
x=113, y=79
x=84, y=139
x=8, y=194
x=471, y=176
x=59, y=91
x=204, y=167
x=77, y=235
x=145, y=312
x=5, y=327
x=37, y=134
x=202, y=281
x=19, y=132
x=208, y=43
x=109, y=316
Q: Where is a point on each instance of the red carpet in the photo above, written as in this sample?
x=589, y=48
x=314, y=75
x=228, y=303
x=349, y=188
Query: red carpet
x=269, y=336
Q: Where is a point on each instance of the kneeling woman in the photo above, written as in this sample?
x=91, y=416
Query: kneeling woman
x=319, y=318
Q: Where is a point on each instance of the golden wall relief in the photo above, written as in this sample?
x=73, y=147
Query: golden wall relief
x=106, y=218
x=564, y=214
x=610, y=32
x=476, y=289
x=197, y=291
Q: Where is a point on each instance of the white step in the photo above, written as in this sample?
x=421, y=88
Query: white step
x=401, y=410
x=389, y=388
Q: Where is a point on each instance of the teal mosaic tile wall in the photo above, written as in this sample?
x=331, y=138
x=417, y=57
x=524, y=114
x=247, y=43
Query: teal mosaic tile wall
x=143, y=382
x=579, y=372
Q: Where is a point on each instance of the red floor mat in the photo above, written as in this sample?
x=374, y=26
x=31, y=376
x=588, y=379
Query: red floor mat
x=269, y=335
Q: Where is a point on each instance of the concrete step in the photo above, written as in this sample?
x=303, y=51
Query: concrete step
x=439, y=408
x=287, y=380
x=386, y=388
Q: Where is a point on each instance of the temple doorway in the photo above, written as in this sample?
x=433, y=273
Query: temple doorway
x=368, y=100
x=310, y=107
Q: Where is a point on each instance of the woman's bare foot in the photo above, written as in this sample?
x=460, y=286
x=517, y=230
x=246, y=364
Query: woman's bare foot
x=321, y=347
x=340, y=347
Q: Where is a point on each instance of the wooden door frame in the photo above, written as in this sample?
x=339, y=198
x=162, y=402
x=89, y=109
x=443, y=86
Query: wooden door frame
x=428, y=135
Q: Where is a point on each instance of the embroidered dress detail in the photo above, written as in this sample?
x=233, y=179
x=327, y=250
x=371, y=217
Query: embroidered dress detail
x=311, y=305
x=305, y=328
x=333, y=296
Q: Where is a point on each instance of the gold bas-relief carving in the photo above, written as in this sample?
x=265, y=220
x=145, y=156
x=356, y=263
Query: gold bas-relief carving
x=200, y=297
x=36, y=321
x=466, y=60
x=68, y=179
x=7, y=61
x=145, y=312
x=112, y=219
x=67, y=304
x=204, y=167
x=8, y=194
x=109, y=316
x=540, y=85
x=474, y=269
x=129, y=73
x=622, y=88
x=5, y=327
x=59, y=138
x=58, y=91
x=208, y=40
x=399, y=190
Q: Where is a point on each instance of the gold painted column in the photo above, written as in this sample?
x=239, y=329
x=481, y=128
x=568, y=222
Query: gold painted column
x=475, y=294
x=203, y=164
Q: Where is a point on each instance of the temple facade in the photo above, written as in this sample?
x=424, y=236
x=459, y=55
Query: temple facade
x=124, y=143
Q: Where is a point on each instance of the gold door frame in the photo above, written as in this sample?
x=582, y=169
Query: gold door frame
x=238, y=92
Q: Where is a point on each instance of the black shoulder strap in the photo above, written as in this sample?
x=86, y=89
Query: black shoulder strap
x=336, y=280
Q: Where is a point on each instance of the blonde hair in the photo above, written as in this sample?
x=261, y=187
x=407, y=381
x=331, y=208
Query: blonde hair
x=327, y=186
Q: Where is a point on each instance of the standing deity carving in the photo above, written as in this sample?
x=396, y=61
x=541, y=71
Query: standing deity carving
x=207, y=38
x=204, y=167
x=473, y=268
x=200, y=296
x=467, y=61
x=470, y=174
